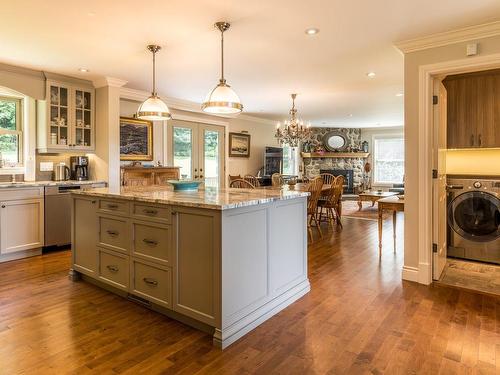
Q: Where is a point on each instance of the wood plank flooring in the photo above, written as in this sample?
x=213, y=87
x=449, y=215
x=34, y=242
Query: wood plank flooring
x=359, y=318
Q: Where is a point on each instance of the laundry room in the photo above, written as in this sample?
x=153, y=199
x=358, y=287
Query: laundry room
x=466, y=225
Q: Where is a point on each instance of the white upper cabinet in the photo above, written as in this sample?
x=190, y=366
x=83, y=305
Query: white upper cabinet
x=66, y=118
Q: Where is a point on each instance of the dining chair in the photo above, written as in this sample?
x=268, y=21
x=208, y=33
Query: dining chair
x=305, y=179
x=327, y=178
x=315, y=187
x=252, y=179
x=241, y=184
x=277, y=180
x=332, y=204
x=235, y=177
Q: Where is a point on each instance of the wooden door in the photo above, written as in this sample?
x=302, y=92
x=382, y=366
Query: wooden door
x=439, y=226
x=22, y=225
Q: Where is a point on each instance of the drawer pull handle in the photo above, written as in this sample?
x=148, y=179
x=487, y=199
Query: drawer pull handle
x=150, y=242
x=150, y=212
x=150, y=281
x=113, y=268
x=113, y=206
x=113, y=233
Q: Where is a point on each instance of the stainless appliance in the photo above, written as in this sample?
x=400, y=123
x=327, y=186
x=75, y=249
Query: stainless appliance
x=58, y=213
x=474, y=219
x=79, y=168
x=61, y=173
x=273, y=160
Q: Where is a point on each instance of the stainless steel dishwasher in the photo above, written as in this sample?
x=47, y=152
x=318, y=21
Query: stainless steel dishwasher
x=58, y=214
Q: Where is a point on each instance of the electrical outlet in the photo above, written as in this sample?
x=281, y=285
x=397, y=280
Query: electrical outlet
x=46, y=166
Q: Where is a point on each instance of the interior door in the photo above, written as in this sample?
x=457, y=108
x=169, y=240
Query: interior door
x=184, y=147
x=439, y=226
x=211, y=164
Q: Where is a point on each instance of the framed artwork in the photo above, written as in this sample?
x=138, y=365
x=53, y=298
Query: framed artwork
x=136, y=139
x=239, y=145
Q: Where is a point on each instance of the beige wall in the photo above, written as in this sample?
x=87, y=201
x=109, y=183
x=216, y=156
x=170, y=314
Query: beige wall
x=261, y=135
x=485, y=162
x=412, y=63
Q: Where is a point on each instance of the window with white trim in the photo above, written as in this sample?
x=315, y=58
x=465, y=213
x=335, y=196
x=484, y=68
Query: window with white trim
x=290, y=160
x=388, y=160
x=11, y=134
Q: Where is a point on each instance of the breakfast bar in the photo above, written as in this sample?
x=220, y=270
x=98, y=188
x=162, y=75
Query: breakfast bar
x=221, y=260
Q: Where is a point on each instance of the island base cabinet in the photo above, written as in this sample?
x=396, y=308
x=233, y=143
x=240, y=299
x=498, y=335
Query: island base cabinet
x=114, y=269
x=21, y=223
x=152, y=282
x=84, y=236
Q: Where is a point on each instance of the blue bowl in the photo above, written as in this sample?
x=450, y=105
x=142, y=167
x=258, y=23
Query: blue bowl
x=184, y=185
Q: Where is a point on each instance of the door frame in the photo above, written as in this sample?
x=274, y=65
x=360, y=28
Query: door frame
x=427, y=73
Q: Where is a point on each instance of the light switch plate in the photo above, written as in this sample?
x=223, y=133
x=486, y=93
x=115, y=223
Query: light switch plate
x=46, y=166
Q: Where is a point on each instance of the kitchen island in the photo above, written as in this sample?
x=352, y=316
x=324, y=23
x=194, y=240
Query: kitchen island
x=221, y=260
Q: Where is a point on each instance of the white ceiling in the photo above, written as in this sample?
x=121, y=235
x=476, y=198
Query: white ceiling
x=268, y=55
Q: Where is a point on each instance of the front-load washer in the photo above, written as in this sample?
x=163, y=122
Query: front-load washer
x=474, y=219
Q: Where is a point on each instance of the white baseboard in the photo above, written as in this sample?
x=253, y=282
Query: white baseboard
x=425, y=273
x=237, y=330
x=410, y=274
x=20, y=255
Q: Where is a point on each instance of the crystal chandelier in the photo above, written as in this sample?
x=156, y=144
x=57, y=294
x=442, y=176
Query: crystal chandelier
x=293, y=132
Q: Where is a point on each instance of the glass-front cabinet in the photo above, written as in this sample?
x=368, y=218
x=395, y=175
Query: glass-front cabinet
x=66, y=118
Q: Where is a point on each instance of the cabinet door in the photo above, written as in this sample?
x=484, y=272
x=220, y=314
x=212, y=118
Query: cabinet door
x=83, y=119
x=21, y=223
x=488, y=96
x=84, y=235
x=59, y=116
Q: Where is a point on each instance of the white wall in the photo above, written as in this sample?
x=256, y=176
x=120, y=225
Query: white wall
x=367, y=134
x=261, y=135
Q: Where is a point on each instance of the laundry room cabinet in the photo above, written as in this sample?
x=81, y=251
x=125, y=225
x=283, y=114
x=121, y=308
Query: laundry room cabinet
x=473, y=110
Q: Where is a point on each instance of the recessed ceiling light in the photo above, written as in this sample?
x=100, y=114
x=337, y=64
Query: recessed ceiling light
x=399, y=94
x=83, y=70
x=371, y=74
x=312, y=31
x=91, y=14
x=350, y=114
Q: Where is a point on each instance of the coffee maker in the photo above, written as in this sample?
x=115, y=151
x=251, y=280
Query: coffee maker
x=79, y=168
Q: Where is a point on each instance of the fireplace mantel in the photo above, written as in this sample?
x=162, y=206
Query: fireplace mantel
x=363, y=155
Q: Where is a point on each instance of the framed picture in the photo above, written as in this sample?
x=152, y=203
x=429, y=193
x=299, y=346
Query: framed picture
x=136, y=139
x=239, y=145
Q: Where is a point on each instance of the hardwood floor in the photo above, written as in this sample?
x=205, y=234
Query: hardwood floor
x=358, y=318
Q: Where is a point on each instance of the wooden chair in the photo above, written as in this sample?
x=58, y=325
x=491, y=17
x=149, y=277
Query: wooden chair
x=241, y=184
x=232, y=178
x=314, y=188
x=333, y=203
x=252, y=179
x=277, y=180
x=327, y=178
x=305, y=179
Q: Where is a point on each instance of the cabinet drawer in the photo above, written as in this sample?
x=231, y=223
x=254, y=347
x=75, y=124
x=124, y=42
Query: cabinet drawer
x=156, y=213
x=114, y=233
x=152, y=282
x=8, y=194
x=112, y=206
x=152, y=242
x=113, y=269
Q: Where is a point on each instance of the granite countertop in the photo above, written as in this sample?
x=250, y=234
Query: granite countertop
x=21, y=184
x=212, y=198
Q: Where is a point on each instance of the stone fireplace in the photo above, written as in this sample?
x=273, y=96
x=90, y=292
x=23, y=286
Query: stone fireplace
x=351, y=167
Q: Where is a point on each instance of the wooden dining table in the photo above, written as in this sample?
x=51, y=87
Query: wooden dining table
x=299, y=186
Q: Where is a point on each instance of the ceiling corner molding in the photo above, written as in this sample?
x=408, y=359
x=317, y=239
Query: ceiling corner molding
x=109, y=81
x=449, y=37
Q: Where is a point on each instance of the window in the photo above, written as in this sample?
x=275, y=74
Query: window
x=10, y=131
x=289, y=160
x=389, y=160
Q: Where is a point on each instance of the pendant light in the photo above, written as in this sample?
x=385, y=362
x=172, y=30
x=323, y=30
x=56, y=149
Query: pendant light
x=222, y=99
x=153, y=108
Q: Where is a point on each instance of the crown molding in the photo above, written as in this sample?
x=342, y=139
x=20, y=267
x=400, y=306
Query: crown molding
x=260, y=120
x=109, y=81
x=449, y=37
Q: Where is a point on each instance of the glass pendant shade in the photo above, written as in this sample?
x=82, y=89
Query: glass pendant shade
x=153, y=109
x=222, y=100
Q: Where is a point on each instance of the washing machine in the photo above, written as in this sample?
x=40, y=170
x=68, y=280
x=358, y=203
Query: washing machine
x=474, y=219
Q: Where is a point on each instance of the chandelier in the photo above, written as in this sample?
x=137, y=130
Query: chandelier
x=293, y=131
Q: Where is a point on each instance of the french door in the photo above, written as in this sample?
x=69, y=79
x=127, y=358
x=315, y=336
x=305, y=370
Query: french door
x=198, y=149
